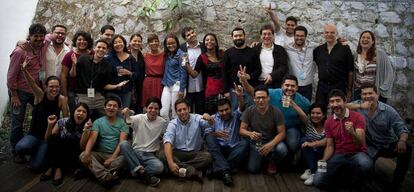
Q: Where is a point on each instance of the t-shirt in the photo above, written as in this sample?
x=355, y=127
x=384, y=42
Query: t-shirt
x=335, y=129
x=291, y=116
x=146, y=135
x=282, y=39
x=108, y=135
x=90, y=74
x=263, y=123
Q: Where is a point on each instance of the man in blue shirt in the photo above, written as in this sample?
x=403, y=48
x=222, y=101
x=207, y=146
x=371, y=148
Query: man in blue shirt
x=387, y=133
x=223, y=139
x=282, y=99
x=183, y=141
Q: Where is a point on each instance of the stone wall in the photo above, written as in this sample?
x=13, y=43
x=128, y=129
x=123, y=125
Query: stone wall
x=392, y=22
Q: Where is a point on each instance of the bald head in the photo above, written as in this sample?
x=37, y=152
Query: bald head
x=330, y=33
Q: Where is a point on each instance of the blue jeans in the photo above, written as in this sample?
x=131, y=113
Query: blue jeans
x=219, y=153
x=152, y=165
x=311, y=155
x=255, y=159
x=306, y=91
x=292, y=140
x=17, y=117
x=360, y=164
x=125, y=98
x=36, y=148
x=248, y=100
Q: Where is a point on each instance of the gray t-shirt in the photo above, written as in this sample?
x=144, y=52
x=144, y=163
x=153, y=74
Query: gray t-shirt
x=263, y=123
x=147, y=134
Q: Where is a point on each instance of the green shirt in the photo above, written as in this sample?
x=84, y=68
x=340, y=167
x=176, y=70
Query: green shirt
x=108, y=135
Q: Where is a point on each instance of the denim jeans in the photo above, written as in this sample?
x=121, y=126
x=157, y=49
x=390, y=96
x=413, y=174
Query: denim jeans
x=255, y=159
x=292, y=140
x=17, y=117
x=225, y=157
x=306, y=91
x=36, y=148
x=152, y=165
x=311, y=155
x=360, y=164
x=125, y=98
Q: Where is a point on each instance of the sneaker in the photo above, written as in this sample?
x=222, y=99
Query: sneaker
x=306, y=175
x=19, y=159
x=309, y=181
x=271, y=168
x=151, y=180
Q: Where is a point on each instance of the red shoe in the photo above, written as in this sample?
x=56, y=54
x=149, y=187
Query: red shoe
x=271, y=168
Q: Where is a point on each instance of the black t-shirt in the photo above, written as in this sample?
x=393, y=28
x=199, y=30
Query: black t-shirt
x=40, y=113
x=92, y=75
x=234, y=57
x=333, y=67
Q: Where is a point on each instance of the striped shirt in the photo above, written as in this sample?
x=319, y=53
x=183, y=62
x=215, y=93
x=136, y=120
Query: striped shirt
x=312, y=134
x=365, y=72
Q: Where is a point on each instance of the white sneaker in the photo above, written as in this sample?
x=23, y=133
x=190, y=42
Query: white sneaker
x=306, y=174
x=309, y=181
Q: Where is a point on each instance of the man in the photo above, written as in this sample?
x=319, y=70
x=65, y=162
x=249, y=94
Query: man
x=56, y=50
x=335, y=65
x=195, y=92
x=92, y=74
x=235, y=56
x=183, y=142
x=345, y=148
x=387, y=133
x=287, y=94
x=19, y=90
x=146, y=138
x=301, y=62
x=264, y=125
x=273, y=59
x=223, y=139
x=107, y=31
x=282, y=37
x=102, y=151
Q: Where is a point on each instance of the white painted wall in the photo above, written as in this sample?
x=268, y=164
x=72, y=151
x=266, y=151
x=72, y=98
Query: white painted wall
x=15, y=19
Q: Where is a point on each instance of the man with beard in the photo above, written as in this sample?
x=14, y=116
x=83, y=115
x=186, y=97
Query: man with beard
x=335, y=65
x=387, y=133
x=273, y=59
x=107, y=31
x=282, y=37
x=102, y=152
x=56, y=50
x=234, y=57
x=301, y=62
x=195, y=92
x=345, y=148
x=285, y=99
x=19, y=90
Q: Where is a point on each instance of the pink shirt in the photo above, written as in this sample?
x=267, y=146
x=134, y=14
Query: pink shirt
x=335, y=129
x=15, y=76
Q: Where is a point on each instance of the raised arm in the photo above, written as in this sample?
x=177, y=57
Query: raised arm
x=37, y=91
x=273, y=17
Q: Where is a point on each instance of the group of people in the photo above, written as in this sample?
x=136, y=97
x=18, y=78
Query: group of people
x=202, y=109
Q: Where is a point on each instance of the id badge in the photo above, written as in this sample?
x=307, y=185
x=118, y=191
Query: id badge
x=302, y=75
x=91, y=92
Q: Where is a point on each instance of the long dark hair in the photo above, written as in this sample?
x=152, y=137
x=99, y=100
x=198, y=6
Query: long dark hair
x=71, y=124
x=140, y=56
x=217, y=45
x=371, y=51
x=123, y=40
x=320, y=106
x=166, y=50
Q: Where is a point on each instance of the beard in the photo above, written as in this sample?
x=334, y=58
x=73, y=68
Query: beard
x=238, y=42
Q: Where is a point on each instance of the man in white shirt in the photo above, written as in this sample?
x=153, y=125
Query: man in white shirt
x=56, y=50
x=301, y=62
x=282, y=36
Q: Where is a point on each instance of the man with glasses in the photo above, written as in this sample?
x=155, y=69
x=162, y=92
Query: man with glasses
x=56, y=50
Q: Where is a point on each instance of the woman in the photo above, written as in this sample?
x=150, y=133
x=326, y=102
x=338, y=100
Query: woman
x=154, y=69
x=66, y=139
x=372, y=66
x=125, y=67
x=135, y=47
x=314, y=142
x=175, y=77
x=82, y=45
x=209, y=63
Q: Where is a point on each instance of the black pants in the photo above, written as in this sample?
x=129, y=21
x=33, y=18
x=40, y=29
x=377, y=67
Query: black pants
x=196, y=100
x=324, y=88
x=63, y=153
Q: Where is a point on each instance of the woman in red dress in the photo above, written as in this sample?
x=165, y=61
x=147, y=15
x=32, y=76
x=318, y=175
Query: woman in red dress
x=154, y=69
